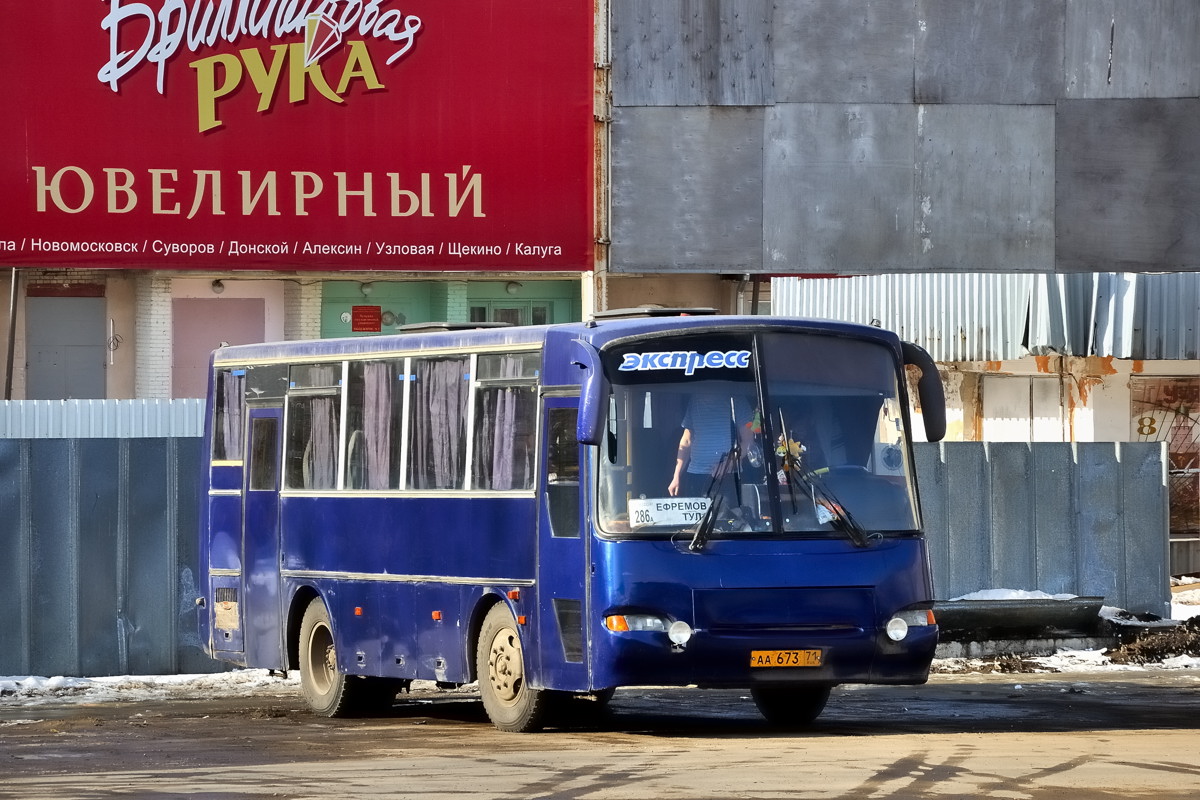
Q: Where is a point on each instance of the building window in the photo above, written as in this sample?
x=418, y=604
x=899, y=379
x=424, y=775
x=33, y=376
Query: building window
x=516, y=312
x=1167, y=410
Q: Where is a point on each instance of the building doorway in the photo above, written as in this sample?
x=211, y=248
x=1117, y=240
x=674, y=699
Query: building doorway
x=66, y=347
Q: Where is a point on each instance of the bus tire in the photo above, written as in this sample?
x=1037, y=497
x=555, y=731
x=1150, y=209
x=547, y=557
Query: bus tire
x=327, y=691
x=790, y=706
x=511, y=704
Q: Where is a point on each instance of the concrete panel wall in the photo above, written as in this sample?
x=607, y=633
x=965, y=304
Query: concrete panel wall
x=687, y=189
x=1128, y=197
x=840, y=186
x=692, y=52
x=1088, y=519
x=1007, y=52
x=985, y=188
x=844, y=52
x=1019, y=136
x=1116, y=49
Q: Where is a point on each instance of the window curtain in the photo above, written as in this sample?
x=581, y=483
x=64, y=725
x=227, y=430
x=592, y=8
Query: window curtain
x=379, y=388
x=504, y=434
x=439, y=401
x=321, y=453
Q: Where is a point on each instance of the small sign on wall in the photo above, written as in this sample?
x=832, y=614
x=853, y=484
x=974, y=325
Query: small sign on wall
x=366, y=319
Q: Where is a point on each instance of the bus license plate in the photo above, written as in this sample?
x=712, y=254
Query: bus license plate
x=785, y=658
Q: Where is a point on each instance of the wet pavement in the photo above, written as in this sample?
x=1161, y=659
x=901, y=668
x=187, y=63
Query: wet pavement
x=1109, y=733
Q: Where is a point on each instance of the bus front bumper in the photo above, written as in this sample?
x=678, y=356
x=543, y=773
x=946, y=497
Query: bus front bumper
x=731, y=659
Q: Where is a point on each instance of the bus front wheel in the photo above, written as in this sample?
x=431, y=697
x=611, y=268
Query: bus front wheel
x=790, y=706
x=327, y=691
x=509, y=701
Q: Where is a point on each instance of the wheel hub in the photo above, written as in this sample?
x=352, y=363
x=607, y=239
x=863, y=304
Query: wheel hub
x=505, y=671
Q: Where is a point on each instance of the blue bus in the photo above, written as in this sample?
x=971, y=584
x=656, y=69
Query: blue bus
x=659, y=498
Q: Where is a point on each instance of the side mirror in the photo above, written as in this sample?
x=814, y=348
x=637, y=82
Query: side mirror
x=929, y=390
x=593, y=401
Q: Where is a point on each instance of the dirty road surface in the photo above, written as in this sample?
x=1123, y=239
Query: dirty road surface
x=1078, y=736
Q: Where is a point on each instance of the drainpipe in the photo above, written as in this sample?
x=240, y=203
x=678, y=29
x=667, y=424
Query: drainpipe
x=12, y=334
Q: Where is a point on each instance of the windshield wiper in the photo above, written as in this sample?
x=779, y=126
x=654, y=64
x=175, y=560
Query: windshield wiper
x=730, y=460
x=708, y=522
x=839, y=516
x=704, y=527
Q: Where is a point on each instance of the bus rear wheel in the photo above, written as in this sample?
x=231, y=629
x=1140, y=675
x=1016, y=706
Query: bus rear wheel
x=790, y=706
x=509, y=701
x=327, y=691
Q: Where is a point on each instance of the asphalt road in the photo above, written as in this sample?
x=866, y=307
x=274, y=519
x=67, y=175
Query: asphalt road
x=1087, y=736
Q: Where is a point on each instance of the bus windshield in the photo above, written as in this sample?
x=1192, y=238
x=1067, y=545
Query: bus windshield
x=755, y=435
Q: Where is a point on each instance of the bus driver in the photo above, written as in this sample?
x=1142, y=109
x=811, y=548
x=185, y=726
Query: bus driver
x=708, y=437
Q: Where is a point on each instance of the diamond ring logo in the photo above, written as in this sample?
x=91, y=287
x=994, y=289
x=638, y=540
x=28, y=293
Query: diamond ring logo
x=321, y=36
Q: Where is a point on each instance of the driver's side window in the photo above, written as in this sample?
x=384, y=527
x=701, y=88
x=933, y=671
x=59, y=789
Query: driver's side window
x=562, y=473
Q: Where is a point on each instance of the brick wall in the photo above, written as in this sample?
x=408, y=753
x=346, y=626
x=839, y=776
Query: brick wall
x=153, y=333
x=302, y=311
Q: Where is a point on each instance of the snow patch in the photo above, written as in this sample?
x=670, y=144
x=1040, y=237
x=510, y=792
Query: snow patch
x=32, y=690
x=1012, y=594
x=1185, y=604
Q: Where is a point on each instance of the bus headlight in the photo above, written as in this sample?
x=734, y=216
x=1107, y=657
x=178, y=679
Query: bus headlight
x=897, y=627
x=635, y=622
x=679, y=632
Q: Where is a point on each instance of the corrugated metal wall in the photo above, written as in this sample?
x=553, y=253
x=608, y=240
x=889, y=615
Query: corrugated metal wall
x=98, y=552
x=1088, y=519
x=69, y=419
x=998, y=317
x=976, y=317
x=98, y=540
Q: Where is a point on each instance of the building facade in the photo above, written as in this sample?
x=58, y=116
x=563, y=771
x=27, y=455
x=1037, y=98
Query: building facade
x=185, y=175
x=1096, y=357
x=229, y=170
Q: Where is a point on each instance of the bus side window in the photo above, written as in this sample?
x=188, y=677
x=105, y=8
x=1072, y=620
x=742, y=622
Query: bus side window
x=373, y=408
x=438, y=423
x=562, y=473
x=505, y=432
x=313, y=420
x=263, y=467
x=229, y=405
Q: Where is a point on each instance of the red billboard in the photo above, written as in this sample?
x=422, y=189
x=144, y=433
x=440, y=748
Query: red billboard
x=298, y=134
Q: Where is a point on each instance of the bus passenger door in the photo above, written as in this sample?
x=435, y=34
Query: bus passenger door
x=262, y=609
x=562, y=580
